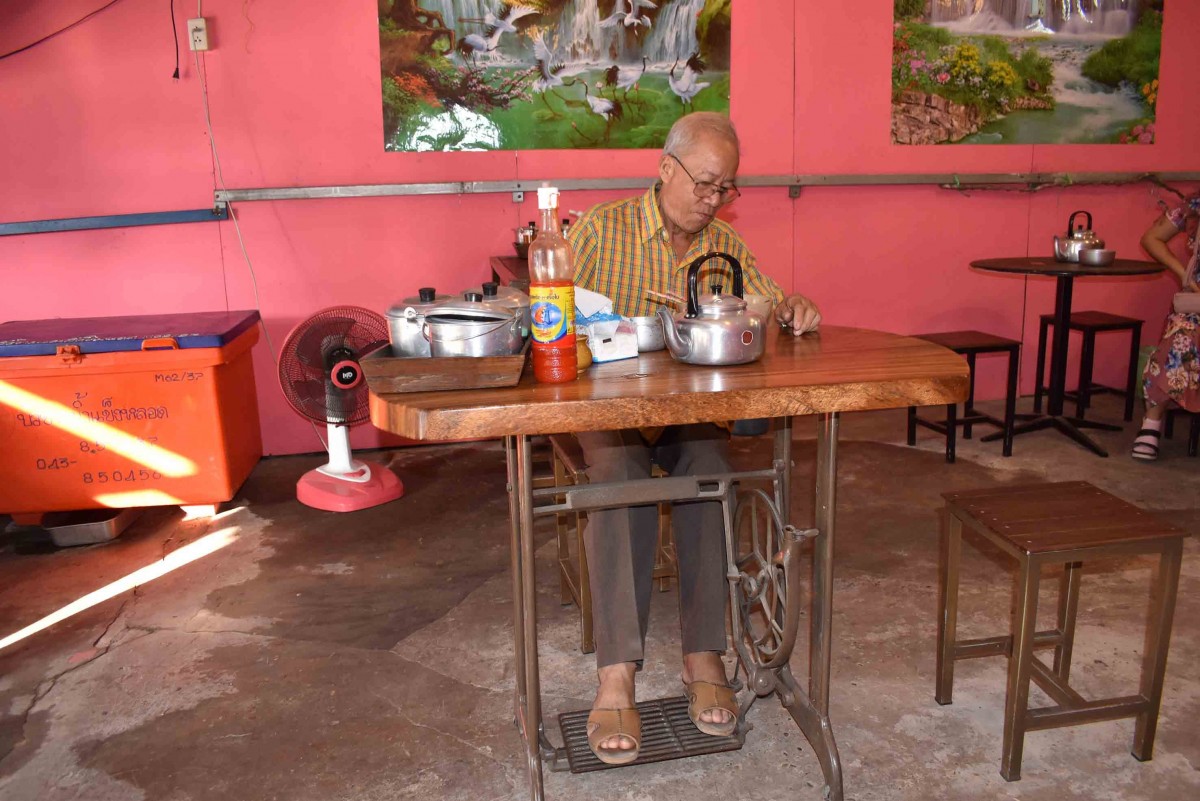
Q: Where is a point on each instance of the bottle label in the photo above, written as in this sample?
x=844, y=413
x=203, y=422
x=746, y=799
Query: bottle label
x=552, y=312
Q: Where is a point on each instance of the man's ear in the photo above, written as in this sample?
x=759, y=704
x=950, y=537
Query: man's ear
x=665, y=167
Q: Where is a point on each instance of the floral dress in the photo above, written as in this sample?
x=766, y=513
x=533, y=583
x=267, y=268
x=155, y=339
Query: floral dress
x=1173, y=372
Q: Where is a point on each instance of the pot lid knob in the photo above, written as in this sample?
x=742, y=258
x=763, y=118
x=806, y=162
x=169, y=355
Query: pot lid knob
x=427, y=294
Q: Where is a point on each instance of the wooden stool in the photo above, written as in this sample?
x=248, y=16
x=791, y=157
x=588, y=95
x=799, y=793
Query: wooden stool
x=1059, y=524
x=1193, y=427
x=969, y=344
x=1091, y=323
x=575, y=584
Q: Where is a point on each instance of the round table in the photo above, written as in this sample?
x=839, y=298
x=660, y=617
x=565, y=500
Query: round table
x=1065, y=274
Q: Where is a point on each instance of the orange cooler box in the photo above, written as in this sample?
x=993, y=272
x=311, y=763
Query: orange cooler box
x=126, y=411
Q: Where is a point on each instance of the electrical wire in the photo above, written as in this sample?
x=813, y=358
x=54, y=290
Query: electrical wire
x=175, y=31
x=220, y=179
x=49, y=36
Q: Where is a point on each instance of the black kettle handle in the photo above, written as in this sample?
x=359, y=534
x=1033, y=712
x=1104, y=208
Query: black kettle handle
x=693, y=301
x=1071, y=222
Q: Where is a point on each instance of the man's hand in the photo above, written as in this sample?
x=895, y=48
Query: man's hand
x=798, y=313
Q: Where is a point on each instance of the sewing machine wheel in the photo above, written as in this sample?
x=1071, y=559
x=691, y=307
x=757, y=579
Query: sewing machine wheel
x=766, y=617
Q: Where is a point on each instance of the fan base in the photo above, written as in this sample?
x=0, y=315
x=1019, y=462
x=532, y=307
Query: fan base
x=332, y=494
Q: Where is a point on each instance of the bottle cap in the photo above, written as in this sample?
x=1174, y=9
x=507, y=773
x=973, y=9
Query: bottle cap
x=547, y=197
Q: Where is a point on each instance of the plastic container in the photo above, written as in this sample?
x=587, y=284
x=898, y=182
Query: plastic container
x=115, y=412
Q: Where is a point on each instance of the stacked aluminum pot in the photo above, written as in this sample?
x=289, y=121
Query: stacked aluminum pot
x=486, y=323
x=406, y=319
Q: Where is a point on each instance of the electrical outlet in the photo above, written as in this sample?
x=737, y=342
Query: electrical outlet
x=198, y=33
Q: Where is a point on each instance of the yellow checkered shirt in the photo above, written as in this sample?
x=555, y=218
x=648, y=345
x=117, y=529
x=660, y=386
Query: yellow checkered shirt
x=622, y=250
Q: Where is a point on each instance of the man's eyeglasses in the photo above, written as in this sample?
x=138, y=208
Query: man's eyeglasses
x=706, y=189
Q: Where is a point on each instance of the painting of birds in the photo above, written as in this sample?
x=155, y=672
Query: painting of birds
x=608, y=109
x=614, y=65
x=631, y=18
x=551, y=72
x=497, y=24
x=504, y=19
x=686, y=86
x=474, y=43
x=625, y=78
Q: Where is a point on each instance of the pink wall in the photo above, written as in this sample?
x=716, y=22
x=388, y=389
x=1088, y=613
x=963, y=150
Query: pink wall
x=92, y=123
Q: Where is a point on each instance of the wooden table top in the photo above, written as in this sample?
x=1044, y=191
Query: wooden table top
x=1046, y=265
x=836, y=370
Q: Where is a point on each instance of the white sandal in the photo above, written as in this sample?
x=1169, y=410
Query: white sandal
x=1144, y=449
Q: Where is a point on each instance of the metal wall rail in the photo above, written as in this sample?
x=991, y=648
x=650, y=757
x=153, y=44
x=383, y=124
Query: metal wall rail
x=1026, y=182
x=220, y=211
x=1029, y=181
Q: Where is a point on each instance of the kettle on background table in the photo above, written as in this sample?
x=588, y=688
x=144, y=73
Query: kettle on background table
x=1077, y=239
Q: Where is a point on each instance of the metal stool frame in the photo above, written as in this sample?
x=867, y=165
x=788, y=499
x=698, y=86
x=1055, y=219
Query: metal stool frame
x=1071, y=708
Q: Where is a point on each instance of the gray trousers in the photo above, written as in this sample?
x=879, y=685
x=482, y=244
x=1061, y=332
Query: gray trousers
x=621, y=543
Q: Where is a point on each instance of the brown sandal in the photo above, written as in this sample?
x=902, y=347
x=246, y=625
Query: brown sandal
x=605, y=723
x=704, y=696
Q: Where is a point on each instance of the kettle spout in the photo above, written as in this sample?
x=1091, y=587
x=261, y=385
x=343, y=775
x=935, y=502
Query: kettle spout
x=678, y=345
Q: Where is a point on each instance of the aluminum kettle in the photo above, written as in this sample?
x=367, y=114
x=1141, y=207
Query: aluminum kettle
x=1067, y=249
x=717, y=329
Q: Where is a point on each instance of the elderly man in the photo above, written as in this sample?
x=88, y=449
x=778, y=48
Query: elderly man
x=625, y=249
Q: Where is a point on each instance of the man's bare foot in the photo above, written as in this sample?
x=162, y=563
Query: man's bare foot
x=707, y=666
x=616, y=692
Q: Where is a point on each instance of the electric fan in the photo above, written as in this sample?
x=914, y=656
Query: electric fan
x=322, y=380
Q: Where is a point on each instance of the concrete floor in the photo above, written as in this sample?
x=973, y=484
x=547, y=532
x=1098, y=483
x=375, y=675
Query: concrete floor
x=306, y=655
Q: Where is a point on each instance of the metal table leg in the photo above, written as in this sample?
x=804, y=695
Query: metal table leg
x=514, y=522
x=821, y=624
x=528, y=688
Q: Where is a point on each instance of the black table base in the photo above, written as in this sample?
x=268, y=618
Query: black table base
x=1064, y=274
x=1066, y=425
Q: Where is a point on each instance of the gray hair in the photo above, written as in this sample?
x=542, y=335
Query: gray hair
x=688, y=128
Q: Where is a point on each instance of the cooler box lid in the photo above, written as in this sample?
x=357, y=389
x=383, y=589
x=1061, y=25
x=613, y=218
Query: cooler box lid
x=115, y=334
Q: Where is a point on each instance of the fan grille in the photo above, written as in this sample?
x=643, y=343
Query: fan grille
x=311, y=350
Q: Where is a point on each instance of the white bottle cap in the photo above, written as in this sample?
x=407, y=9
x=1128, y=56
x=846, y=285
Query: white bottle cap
x=547, y=197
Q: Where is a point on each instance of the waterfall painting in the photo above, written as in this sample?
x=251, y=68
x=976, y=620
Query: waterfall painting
x=540, y=74
x=1025, y=71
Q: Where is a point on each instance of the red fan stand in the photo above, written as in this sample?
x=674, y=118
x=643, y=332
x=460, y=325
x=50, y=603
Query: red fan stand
x=321, y=377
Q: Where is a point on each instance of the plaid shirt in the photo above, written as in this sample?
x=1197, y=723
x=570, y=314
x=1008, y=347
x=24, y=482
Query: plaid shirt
x=622, y=250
